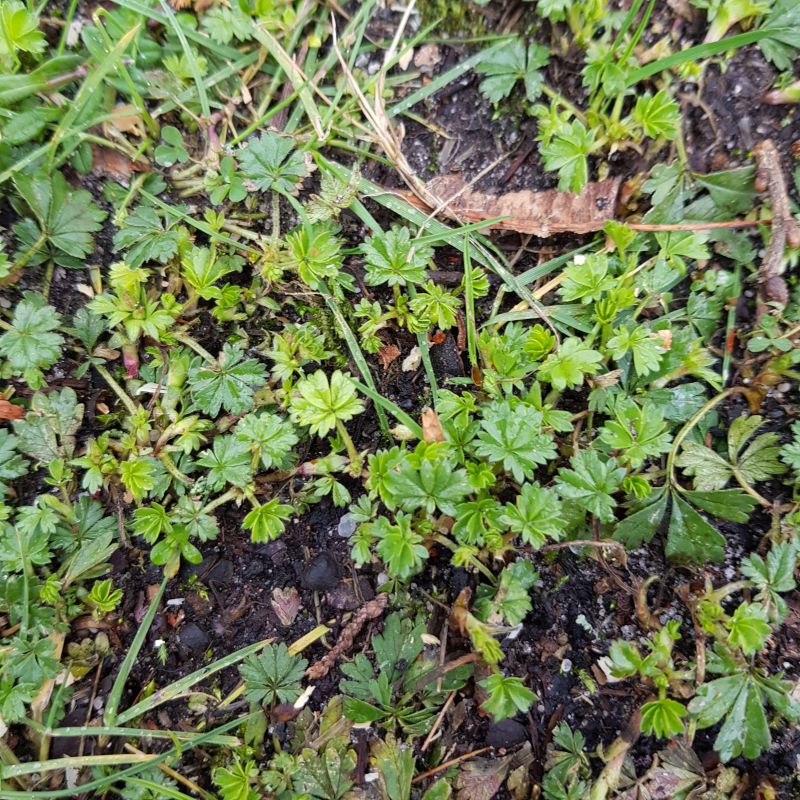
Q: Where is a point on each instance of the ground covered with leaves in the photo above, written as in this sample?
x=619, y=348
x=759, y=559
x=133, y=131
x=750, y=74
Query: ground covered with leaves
x=399, y=401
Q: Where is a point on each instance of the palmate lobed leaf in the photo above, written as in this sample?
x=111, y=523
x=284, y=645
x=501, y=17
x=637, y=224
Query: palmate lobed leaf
x=394, y=259
x=507, y=696
x=272, y=675
x=591, y=482
x=512, y=436
x=320, y=401
x=436, y=484
x=31, y=344
x=740, y=700
x=509, y=62
x=267, y=521
x=65, y=217
x=272, y=163
x=228, y=384
x=145, y=237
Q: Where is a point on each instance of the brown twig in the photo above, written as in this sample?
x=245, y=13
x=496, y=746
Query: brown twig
x=371, y=610
x=439, y=718
x=697, y=226
x=450, y=763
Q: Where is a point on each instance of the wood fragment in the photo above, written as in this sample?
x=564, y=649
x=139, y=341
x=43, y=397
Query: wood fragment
x=371, y=610
x=538, y=213
x=769, y=178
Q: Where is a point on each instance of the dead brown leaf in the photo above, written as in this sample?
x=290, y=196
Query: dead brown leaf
x=387, y=354
x=538, y=213
x=285, y=603
x=431, y=427
x=481, y=778
x=113, y=164
x=10, y=411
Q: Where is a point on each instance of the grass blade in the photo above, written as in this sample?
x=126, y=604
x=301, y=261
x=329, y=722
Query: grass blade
x=296, y=77
x=191, y=61
x=699, y=52
x=533, y=274
x=106, y=781
x=115, y=695
x=88, y=88
x=179, y=687
x=392, y=408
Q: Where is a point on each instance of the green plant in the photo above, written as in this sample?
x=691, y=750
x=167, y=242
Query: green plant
x=30, y=343
x=273, y=675
x=64, y=220
x=724, y=14
x=103, y=597
x=507, y=63
x=322, y=404
x=506, y=696
x=400, y=690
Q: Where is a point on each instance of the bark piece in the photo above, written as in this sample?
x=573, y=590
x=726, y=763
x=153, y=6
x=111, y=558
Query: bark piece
x=538, y=213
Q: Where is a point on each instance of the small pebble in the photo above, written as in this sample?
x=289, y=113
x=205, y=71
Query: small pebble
x=346, y=527
x=321, y=573
x=506, y=734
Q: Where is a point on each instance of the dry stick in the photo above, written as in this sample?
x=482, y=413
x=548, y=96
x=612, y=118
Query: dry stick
x=769, y=178
x=697, y=226
x=451, y=763
x=371, y=610
x=439, y=718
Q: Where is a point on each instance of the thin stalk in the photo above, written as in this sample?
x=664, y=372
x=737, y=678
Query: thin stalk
x=276, y=218
x=125, y=399
x=199, y=349
x=231, y=494
x=105, y=782
x=687, y=429
x=141, y=107
x=469, y=307
x=165, y=458
x=30, y=253
x=353, y=454
x=48, y=280
x=479, y=565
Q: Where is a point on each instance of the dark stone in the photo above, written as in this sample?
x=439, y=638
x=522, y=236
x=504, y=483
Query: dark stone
x=506, y=734
x=321, y=573
x=193, y=638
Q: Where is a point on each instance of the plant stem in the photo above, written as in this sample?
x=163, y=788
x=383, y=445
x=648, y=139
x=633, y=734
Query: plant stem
x=353, y=454
x=276, y=217
x=231, y=494
x=199, y=349
x=479, y=565
x=687, y=429
x=130, y=406
x=30, y=253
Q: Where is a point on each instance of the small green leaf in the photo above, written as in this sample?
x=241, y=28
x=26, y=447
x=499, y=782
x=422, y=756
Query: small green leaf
x=690, y=537
x=507, y=696
x=320, y=402
x=272, y=163
x=273, y=675
x=268, y=521
x=659, y=115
